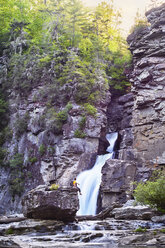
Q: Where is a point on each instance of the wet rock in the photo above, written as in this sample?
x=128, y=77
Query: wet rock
x=161, y=240
x=51, y=233
x=133, y=213
x=8, y=243
x=60, y=204
x=130, y=240
x=158, y=219
x=30, y=226
x=152, y=242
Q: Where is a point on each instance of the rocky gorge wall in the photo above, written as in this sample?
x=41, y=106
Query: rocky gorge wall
x=148, y=78
x=138, y=117
x=47, y=155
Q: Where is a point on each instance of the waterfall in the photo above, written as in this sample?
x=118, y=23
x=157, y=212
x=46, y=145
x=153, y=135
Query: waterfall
x=90, y=180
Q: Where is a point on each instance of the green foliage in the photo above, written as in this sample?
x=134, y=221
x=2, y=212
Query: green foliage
x=89, y=109
x=115, y=71
x=51, y=150
x=17, y=177
x=3, y=110
x=16, y=186
x=140, y=229
x=162, y=230
x=54, y=187
x=56, y=119
x=8, y=133
x=42, y=149
x=69, y=106
x=27, y=71
x=62, y=116
x=33, y=160
x=9, y=231
x=17, y=161
x=152, y=192
x=82, y=123
x=45, y=59
x=3, y=106
x=3, y=153
x=61, y=43
x=140, y=22
x=79, y=134
x=21, y=124
x=86, y=49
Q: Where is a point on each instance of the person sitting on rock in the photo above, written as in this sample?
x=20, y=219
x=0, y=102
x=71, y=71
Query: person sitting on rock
x=75, y=184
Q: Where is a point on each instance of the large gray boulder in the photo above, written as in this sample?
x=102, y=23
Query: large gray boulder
x=41, y=203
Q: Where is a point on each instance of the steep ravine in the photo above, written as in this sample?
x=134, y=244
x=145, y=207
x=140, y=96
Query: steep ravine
x=43, y=153
x=138, y=117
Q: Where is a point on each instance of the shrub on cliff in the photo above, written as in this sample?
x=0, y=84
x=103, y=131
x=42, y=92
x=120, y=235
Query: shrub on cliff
x=21, y=124
x=17, y=177
x=152, y=192
x=140, y=22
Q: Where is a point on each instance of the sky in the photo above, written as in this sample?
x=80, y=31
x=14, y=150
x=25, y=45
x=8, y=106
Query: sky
x=128, y=9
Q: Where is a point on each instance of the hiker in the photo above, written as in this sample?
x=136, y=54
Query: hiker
x=75, y=184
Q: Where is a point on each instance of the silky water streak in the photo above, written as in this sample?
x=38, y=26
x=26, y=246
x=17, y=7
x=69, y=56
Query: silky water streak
x=90, y=180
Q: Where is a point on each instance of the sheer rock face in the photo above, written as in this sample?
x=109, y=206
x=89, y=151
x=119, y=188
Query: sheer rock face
x=117, y=176
x=61, y=204
x=148, y=78
x=49, y=155
x=140, y=115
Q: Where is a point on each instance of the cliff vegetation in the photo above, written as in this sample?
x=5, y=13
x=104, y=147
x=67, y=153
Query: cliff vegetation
x=65, y=54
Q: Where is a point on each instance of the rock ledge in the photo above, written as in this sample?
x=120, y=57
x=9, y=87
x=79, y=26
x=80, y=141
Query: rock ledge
x=61, y=204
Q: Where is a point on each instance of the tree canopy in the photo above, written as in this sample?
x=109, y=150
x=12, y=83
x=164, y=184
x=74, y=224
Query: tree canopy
x=62, y=24
x=63, y=46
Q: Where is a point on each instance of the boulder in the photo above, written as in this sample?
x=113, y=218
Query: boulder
x=158, y=219
x=42, y=203
x=133, y=213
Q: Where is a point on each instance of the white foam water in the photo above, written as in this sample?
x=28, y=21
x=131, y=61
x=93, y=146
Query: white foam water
x=90, y=180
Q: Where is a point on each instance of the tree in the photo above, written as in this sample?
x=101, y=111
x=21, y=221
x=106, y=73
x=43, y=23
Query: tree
x=76, y=16
x=106, y=21
x=139, y=22
x=152, y=192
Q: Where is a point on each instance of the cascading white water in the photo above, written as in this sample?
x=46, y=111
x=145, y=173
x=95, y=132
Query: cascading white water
x=90, y=180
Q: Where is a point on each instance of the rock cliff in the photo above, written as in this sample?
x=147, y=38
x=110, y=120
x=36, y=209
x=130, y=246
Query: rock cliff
x=49, y=142
x=147, y=77
x=139, y=115
x=47, y=152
